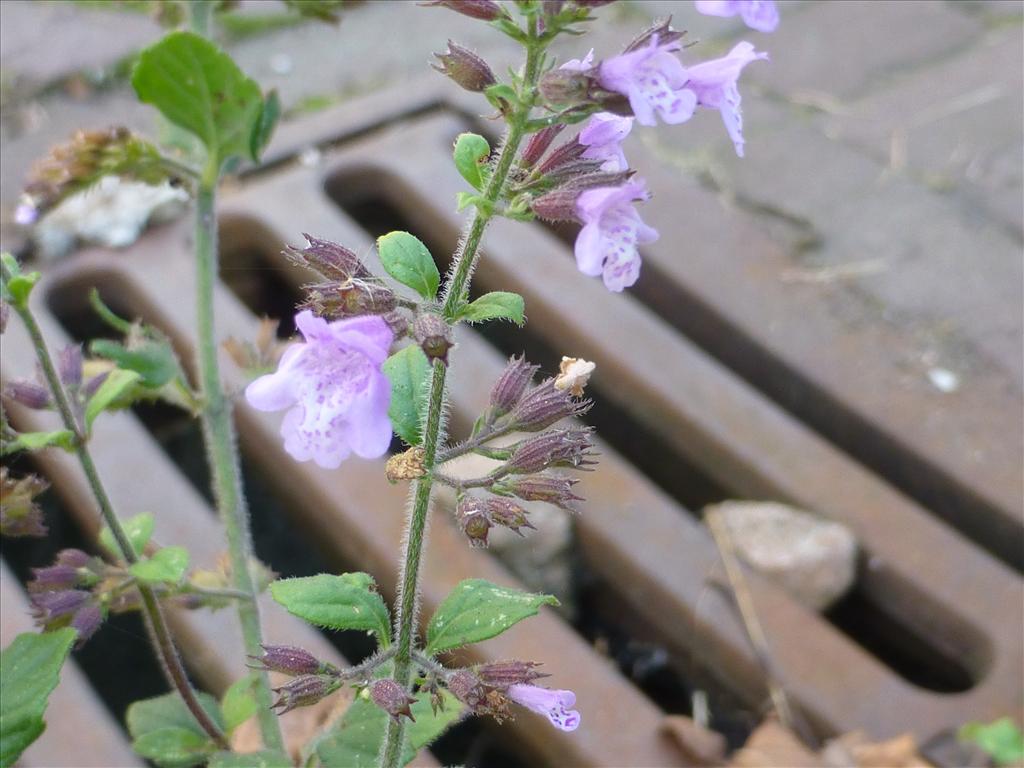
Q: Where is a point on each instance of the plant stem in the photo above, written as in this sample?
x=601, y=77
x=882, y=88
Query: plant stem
x=161, y=636
x=222, y=453
x=458, y=288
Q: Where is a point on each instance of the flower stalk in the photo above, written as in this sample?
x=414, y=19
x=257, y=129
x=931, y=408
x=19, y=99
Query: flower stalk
x=460, y=273
x=156, y=622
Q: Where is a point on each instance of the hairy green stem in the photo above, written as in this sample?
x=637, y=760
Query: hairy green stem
x=222, y=454
x=161, y=635
x=458, y=288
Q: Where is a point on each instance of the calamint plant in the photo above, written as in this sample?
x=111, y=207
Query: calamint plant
x=369, y=363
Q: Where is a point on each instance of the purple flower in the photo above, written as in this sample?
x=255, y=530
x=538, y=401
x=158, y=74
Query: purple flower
x=761, y=15
x=652, y=79
x=25, y=214
x=335, y=383
x=612, y=229
x=552, y=704
x=603, y=136
x=714, y=83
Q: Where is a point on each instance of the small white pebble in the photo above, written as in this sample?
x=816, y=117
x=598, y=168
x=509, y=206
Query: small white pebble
x=944, y=380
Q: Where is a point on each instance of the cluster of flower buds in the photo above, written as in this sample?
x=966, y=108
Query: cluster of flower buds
x=347, y=288
x=312, y=679
x=81, y=162
x=516, y=406
x=19, y=513
x=488, y=689
x=65, y=594
x=81, y=379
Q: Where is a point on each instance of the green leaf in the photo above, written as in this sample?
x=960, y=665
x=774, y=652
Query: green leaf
x=348, y=601
x=408, y=261
x=198, y=87
x=498, y=305
x=139, y=530
x=166, y=565
x=263, y=759
x=357, y=741
x=479, y=610
x=174, y=747
x=408, y=371
x=29, y=671
x=239, y=702
x=471, y=153
x=1001, y=739
x=36, y=441
x=111, y=391
x=168, y=711
x=501, y=96
x=154, y=361
x=270, y=113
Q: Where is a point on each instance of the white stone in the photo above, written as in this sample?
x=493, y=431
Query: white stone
x=813, y=559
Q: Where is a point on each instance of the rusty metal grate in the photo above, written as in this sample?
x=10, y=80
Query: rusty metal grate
x=930, y=639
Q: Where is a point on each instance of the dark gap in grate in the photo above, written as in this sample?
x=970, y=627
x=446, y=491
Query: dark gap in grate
x=275, y=539
x=882, y=453
x=894, y=646
x=118, y=660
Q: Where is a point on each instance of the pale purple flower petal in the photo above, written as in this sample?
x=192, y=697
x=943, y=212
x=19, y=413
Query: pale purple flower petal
x=603, y=136
x=651, y=78
x=554, y=705
x=576, y=65
x=714, y=83
x=334, y=383
x=761, y=15
x=612, y=230
x=25, y=214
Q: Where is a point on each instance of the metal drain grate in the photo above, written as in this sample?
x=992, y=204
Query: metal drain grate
x=934, y=590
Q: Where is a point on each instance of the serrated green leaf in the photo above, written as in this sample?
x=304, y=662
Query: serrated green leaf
x=198, y=87
x=408, y=371
x=348, y=601
x=263, y=759
x=478, y=610
x=139, y=530
x=471, y=153
x=270, y=113
x=36, y=441
x=110, y=394
x=1001, y=739
x=174, y=747
x=154, y=361
x=166, y=565
x=408, y=261
x=29, y=670
x=498, y=305
x=239, y=702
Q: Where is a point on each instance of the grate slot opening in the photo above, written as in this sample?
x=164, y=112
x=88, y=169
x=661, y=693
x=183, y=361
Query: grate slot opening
x=938, y=671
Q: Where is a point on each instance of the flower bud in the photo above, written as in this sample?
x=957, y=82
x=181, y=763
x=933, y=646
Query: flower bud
x=75, y=558
x=289, y=660
x=565, y=87
x=543, y=405
x=69, y=366
x=54, y=578
x=509, y=388
x=502, y=674
x=471, y=515
x=86, y=620
x=538, y=145
x=550, y=488
x=485, y=10
x=303, y=692
x=28, y=393
x=55, y=609
x=332, y=261
x=433, y=335
x=392, y=698
x=568, y=172
x=562, y=154
x=507, y=514
x=349, y=298
x=556, y=448
x=662, y=28
x=397, y=322
x=556, y=205
x=19, y=514
x=465, y=68
x=466, y=686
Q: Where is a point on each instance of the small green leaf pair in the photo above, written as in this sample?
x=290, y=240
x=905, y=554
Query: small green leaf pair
x=165, y=566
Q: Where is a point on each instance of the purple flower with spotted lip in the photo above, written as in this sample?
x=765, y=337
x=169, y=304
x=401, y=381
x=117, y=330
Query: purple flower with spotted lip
x=612, y=229
x=554, y=705
x=603, y=136
x=335, y=388
x=652, y=78
x=714, y=83
x=761, y=15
